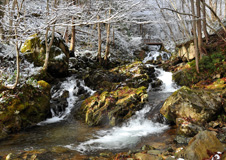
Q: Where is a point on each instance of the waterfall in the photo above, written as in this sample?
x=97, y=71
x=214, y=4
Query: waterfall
x=72, y=85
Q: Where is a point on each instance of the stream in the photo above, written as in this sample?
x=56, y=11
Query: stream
x=65, y=131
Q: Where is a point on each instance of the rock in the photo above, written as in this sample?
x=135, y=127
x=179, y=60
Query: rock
x=218, y=84
x=187, y=51
x=133, y=75
x=203, y=143
x=187, y=128
x=154, y=152
x=156, y=83
x=34, y=50
x=142, y=156
x=106, y=154
x=197, y=106
x=181, y=79
x=59, y=101
x=147, y=147
x=11, y=156
x=170, y=149
x=113, y=107
x=24, y=107
x=170, y=158
x=182, y=139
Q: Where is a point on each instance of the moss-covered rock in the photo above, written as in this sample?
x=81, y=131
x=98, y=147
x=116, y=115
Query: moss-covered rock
x=113, y=107
x=34, y=50
x=133, y=75
x=23, y=107
x=181, y=78
x=197, y=105
x=202, y=146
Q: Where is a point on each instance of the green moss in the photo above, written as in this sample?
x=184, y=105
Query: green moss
x=31, y=44
x=44, y=85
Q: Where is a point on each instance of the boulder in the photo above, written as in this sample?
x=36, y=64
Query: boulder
x=181, y=78
x=23, y=108
x=143, y=156
x=197, y=106
x=111, y=108
x=187, y=51
x=133, y=75
x=34, y=50
x=187, y=128
x=203, y=145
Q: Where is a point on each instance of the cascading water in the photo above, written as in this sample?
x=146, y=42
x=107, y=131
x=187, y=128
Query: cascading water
x=123, y=137
x=77, y=136
x=166, y=78
x=71, y=85
x=130, y=134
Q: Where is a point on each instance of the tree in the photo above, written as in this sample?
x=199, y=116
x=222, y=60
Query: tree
x=204, y=21
x=195, y=35
x=17, y=43
x=199, y=27
x=49, y=45
x=107, y=42
x=99, y=40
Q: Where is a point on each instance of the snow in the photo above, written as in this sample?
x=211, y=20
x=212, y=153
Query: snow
x=60, y=56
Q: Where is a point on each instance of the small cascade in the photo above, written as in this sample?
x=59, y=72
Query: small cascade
x=130, y=134
x=166, y=77
x=123, y=137
x=153, y=55
x=167, y=83
x=64, y=97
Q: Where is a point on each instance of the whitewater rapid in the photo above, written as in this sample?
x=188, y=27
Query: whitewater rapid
x=138, y=126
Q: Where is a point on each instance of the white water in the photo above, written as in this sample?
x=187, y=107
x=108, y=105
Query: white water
x=137, y=127
x=154, y=54
x=122, y=137
x=70, y=84
x=166, y=77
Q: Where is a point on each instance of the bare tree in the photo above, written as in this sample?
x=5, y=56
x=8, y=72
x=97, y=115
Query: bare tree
x=195, y=35
x=204, y=21
x=99, y=40
x=17, y=43
x=107, y=42
x=48, y=46
x=199, y=27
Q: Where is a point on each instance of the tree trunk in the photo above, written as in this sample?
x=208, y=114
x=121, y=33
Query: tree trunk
x=195, y=36
x=72, y=46
x=11, y=16
x=224, y=8
x=66, y=35
x=214, y=13
x=199, y=27
x=107, y=42
x=204, y=22
x=113, y=37
x=18, y=68
x=48, y=47
x=99, y=40
x=1, y=27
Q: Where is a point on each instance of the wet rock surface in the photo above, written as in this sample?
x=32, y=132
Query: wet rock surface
x=34, y=50
x=198, y=106
x=120, y=92
x=113, y=107
x=202, y=146
x=23, y=107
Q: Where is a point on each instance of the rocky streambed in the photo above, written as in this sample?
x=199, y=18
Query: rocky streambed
x=99, y=113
